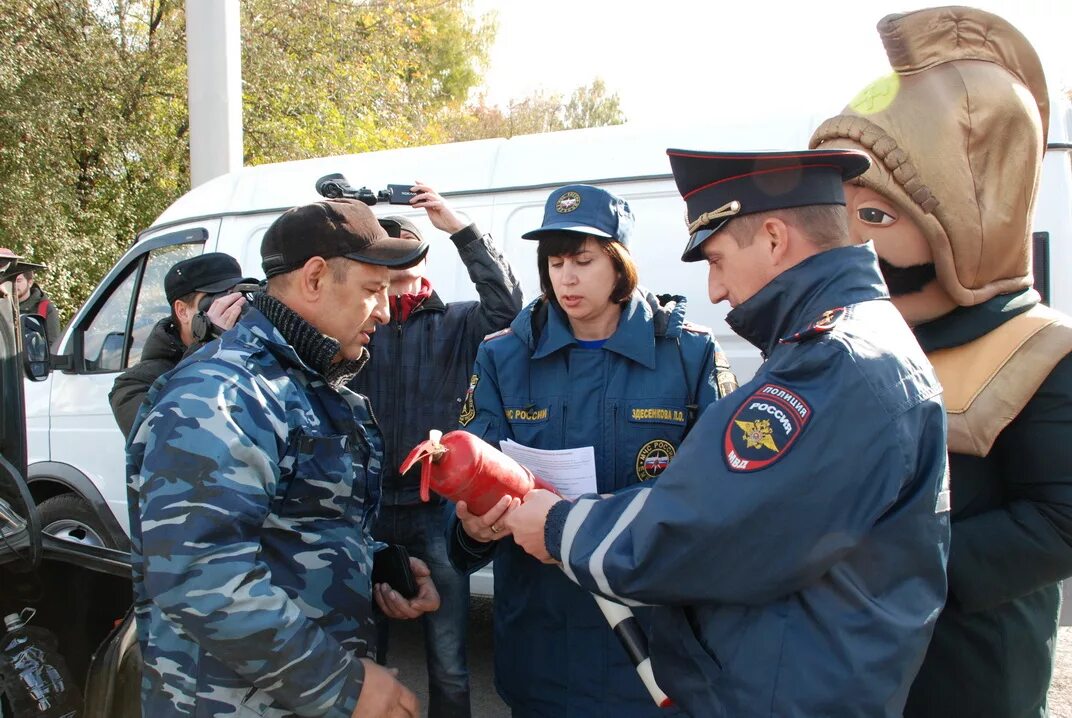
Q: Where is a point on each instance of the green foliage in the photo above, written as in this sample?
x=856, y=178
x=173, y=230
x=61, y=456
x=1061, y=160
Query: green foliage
x=331, y=78
x=92, y=137
x=94, y=132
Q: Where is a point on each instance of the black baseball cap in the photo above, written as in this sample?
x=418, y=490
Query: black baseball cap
x=210, y=272
x=394, y=224
x=719, y=186
x=334, y=228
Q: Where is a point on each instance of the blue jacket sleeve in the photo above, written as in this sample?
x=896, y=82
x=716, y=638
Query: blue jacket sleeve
x=707, y=533
x=483, y=416
x=210, y=468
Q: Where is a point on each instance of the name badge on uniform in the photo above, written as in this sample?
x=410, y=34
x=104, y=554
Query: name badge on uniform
x=530, y=414
x=646, y=414
x=764, y=428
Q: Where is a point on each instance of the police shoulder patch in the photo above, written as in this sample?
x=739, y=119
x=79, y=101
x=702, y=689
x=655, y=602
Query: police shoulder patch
x=764, y=428
x=468, y=412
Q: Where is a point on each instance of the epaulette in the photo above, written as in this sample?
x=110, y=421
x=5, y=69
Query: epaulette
x=826, y=321
x=695, y=328
x=500, y=333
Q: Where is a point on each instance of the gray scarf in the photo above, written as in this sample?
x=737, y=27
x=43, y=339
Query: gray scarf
x=314, y=348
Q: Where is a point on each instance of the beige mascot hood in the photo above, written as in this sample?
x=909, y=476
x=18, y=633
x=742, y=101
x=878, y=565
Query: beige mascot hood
x=958, y=135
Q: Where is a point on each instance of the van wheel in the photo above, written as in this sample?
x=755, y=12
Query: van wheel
x=69, y=517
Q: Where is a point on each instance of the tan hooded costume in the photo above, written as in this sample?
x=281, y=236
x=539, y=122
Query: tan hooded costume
x=958, y=135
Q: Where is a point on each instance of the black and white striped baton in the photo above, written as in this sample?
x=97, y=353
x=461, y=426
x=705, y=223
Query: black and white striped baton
x=631, y=635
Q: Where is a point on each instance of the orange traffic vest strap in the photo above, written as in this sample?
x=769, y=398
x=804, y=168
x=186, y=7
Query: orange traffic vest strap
x=988, y=381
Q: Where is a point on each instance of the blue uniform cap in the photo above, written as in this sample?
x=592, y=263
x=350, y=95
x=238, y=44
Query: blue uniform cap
x=586, y=210
x=718, y=186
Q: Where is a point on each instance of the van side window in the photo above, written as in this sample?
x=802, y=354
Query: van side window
x=152, y=305
x=115, y=336
x=103, y=339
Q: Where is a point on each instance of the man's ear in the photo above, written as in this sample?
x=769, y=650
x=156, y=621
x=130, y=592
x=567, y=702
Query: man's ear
x=311, y=278
x=775, y=234
x=183, y=311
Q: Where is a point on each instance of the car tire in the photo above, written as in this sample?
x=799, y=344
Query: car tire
x=69, y=516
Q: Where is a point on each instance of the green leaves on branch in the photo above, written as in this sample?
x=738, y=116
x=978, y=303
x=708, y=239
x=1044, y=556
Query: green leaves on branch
x=94, y=130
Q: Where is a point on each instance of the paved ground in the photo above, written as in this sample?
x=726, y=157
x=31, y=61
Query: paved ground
x=1061, y=687
x=407, y=654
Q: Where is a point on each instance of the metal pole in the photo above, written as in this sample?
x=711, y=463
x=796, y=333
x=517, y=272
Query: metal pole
x=214, y=72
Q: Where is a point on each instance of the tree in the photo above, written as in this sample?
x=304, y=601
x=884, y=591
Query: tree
x=331, y=78
x=94, y=137
x=94, y=133
x=91, y=134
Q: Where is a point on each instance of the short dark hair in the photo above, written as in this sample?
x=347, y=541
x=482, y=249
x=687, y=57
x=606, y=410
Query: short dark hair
x=570, y=244
x=826, y=225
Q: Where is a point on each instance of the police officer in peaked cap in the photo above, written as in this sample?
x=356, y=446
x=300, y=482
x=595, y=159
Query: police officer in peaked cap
x=795, y=548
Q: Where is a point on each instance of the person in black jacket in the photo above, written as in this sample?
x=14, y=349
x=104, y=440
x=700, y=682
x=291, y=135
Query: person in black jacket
x=416, y=380
x=180, y=333
x=34, y=300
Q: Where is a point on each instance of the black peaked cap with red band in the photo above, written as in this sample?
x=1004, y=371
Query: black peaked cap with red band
x=718, y=186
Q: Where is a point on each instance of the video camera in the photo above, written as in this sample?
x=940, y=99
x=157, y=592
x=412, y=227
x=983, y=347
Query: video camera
x=245, y=288
x=335, y=186
x=201, y=327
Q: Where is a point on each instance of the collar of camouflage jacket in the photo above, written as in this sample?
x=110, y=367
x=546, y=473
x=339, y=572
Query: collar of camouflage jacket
x=312, y=347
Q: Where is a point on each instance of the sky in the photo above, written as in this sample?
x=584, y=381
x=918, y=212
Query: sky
x=675, y=59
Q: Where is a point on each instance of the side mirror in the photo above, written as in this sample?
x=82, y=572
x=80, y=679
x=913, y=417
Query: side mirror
x=36, y=361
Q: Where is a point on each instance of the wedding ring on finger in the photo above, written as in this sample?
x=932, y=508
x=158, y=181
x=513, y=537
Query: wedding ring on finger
x=495, y=529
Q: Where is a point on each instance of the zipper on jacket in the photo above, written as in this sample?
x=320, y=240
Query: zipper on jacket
x=396, y=438
x=613, y=448
x=565, y=433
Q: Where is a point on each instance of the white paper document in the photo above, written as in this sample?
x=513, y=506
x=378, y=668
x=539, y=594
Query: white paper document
x=571, y=471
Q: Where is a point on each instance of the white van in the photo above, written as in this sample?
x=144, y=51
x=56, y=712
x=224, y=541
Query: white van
x=77, y=469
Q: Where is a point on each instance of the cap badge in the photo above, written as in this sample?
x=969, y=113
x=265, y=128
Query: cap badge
x=568, y=202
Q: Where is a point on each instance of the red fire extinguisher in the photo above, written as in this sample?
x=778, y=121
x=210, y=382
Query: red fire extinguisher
x=462, y=467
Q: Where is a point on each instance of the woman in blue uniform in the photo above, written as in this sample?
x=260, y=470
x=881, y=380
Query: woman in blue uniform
x=595, y=361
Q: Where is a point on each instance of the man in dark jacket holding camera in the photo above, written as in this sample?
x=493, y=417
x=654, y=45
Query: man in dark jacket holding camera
x=415, y=380
x=183, y=331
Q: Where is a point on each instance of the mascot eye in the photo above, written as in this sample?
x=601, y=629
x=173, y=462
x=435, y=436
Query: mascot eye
x=874, y=215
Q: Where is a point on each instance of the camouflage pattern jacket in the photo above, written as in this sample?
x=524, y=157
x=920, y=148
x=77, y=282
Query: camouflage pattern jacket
x=252, y=485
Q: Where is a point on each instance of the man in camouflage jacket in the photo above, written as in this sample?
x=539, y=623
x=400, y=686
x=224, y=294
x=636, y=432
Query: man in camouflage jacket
x=253, y=480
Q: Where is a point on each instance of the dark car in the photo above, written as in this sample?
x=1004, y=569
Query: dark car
x=80, y=593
